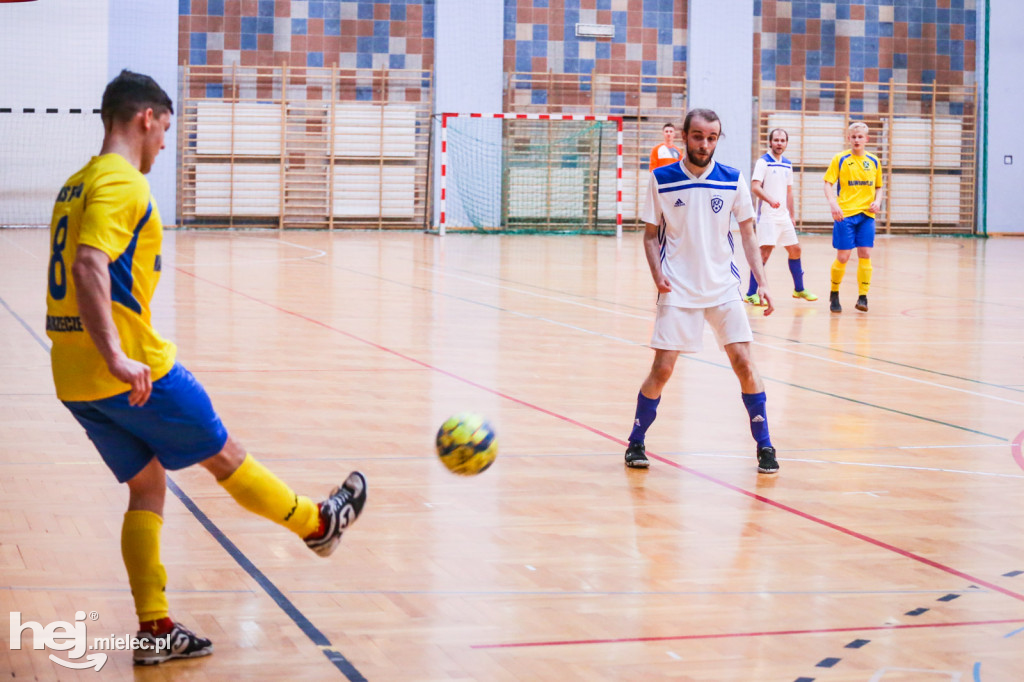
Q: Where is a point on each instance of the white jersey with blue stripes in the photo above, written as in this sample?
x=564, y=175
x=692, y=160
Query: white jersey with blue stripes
x=776, y=177
x=692, y=214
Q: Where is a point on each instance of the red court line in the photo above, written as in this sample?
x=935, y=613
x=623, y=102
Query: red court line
x=245, y=370
x=727, y=635
x=707, y=477
x=1015, y=448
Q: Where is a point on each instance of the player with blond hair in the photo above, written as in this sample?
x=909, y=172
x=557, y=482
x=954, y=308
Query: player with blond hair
x=853, y=188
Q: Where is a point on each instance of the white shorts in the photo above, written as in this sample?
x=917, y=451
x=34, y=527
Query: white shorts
x=682, y=329
x=775, y=230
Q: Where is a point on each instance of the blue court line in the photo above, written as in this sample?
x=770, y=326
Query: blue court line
x=24, y=324
x=310, y=630
x=530, y=316
x=977, y=672
x=1011, y=634
x=1008, y=387
x=619, y=304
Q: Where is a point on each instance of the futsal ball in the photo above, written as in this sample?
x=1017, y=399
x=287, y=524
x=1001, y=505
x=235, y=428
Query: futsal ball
x=466, y=444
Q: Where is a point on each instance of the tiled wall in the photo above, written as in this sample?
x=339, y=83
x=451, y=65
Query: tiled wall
x=650, y=36
x=649, y=40
x=398, y=34
x=910, y=41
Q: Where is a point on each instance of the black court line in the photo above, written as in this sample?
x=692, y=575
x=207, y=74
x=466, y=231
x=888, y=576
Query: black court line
x=831, y=349
x=285, y=604
x=531, y=316
x=627, y=306
x=24, y=324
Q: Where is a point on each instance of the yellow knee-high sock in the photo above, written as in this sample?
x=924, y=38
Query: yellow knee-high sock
x=863, y=275
x=140, y=547
x=838, y=270
x=257, y=489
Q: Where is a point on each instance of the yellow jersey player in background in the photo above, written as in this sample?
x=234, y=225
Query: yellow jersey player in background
x=853, y=188
x=143, y=411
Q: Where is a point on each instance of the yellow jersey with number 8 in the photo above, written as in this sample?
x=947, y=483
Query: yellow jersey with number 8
x=106, y=205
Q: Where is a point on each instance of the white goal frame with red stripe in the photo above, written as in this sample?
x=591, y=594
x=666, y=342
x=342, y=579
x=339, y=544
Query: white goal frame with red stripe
x=535, y=117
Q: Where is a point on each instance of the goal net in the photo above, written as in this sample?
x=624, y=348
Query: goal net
x=531, y=173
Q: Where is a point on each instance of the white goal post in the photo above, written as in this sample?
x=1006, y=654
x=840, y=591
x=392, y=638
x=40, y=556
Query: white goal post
x=443, y=184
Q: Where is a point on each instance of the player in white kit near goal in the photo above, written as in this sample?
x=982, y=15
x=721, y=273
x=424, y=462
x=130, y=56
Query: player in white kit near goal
x=772, y=184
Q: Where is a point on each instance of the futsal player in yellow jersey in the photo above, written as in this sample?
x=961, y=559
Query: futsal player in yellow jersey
x=853, y=188
x=143, y=411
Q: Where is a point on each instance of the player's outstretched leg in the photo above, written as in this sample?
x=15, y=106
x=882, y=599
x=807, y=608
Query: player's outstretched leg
x=339, y=511
x=257, y=489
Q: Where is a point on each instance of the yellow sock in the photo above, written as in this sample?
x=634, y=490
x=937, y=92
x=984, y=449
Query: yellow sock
x=257, y=489
x=863, y=275
x=140, y=547
x=838, y=270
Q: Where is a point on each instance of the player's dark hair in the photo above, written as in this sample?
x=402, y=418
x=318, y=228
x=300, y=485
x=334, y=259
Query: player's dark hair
x=130, y=93
x=668, y=125
x=772, y=132
x=704, y=115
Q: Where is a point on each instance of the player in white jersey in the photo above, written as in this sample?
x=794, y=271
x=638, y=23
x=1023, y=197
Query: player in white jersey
x=772, y=180
x=689, y=248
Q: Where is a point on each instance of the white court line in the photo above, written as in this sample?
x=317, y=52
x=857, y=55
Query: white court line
x=921, y=343
x=889, y=374
x=758, y=343
x=498, y=285
x=317, y=253
x=19, y=246
x=942, y=447
x=906, y=467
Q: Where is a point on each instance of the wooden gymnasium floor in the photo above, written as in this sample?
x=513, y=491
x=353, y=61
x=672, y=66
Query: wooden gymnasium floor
x=889, y=547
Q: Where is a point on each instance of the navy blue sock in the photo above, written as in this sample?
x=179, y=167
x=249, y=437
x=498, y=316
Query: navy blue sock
x=753, y=286
x=798, y=274
x=755, y=404
x=646, y=411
